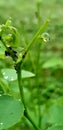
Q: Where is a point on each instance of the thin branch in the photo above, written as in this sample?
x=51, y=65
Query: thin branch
x=22, y=96
x=41, y=29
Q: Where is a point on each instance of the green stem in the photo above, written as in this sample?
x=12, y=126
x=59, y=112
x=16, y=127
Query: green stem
x=32, y=122
x=38, y=12
x=24, y=32
x=41, y=29
x=37, y=82
x=37, y=67
x=19, y=65
x=22, y=96
x=26, y=41
x=19, y=77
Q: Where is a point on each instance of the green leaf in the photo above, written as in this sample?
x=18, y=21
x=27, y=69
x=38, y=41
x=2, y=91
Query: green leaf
x=53, y=62
x=56, y=114
x=59, y=127
x=11, y=111
x=10, y=74
x=27, y=74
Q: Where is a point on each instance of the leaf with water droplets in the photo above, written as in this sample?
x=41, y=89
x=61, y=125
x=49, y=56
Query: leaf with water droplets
x=10, y=74
x=11, y=111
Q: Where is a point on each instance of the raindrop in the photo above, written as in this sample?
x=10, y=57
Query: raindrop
x=12, y=79
x=3, y=73
x=1, y=123
x=9, y=74
x=45, y=36
x=19, y=99
x=6, y=77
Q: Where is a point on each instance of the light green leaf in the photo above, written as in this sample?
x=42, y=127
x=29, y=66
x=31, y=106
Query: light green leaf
x=11, y=111
x=27, y=74
x=53, y=62
x=10, y=74
x=56, y=114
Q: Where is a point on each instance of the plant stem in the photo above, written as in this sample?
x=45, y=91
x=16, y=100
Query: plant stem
x=22, y=96
x=32, y=122
x=38, y=48
x=41, y=29
x=24, y=33
x=19, y=65
x=19, y=77
x=38, y=12
x=26, y=42
x=37, y=81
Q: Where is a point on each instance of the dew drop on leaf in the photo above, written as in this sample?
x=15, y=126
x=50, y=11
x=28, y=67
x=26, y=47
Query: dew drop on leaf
x=1, y=123
x=12, y=78
x=6, y=77
x=19, y=99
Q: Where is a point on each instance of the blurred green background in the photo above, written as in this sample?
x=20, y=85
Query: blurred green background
x=45, y=60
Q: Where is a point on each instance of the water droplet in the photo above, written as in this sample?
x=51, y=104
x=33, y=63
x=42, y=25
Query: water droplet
x=19, y=99
x=1, y=123
x=12, y=79
x=3, y=73
x=45, y=36
x=6, y=77
x=9, y=74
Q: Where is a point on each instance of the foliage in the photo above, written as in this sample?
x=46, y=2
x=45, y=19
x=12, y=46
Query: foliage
x=43, y=93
